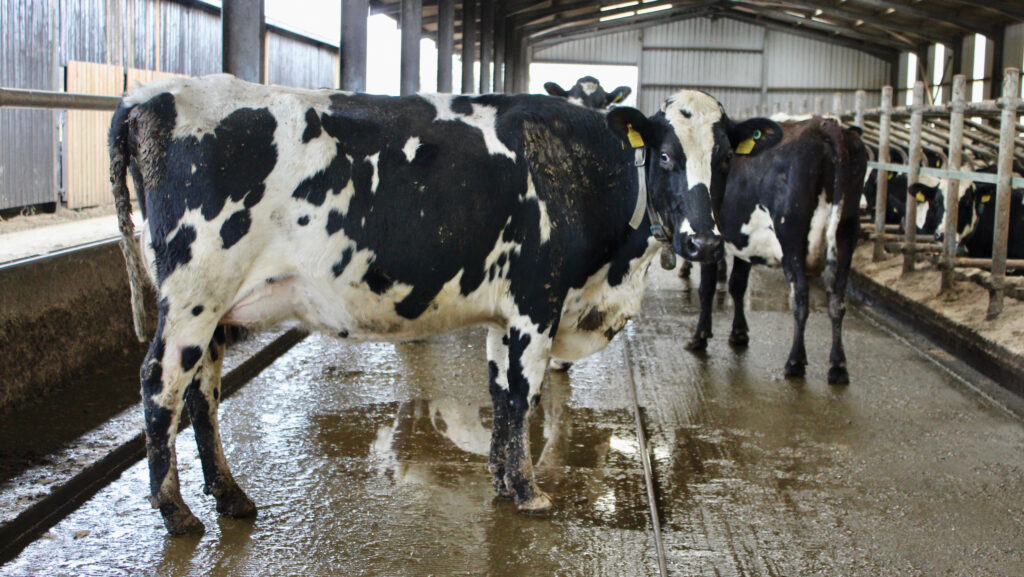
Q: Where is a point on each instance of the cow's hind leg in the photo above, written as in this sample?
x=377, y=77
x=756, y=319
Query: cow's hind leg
x=497, y=368
x=202, y=399
x=799, y=300
x=171, y=364
x=516, y=392
x=738, y=289
x=708, y=286
x=837, y=272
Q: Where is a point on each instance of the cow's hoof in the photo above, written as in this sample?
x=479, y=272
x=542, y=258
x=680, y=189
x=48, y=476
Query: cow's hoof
x=235, y=503
x=696, y=344
x=795, y=370
x=559, y=365
x=739, y=339
x=838, y=376
x=183, y=523
x=540, y=503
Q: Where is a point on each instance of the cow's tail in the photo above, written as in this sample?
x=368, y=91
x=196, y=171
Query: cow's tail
x=841, y=167
x=120, y=154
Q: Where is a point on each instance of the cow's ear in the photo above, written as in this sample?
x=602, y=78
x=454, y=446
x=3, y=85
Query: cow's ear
x=618, y=95
x=630, y=125
x=555, y=90
x=754, y=136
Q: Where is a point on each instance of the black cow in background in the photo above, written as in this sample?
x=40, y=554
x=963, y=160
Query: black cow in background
x=976, y=220
x=587, y=92
x=931, y=205
x=797, y=205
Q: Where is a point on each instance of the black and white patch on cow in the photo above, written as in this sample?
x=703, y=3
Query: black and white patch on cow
x=795, y=205
x=976, y=218
x=589, y=93
x=373, y=217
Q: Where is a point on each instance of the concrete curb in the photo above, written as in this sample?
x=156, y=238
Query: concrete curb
x=64, y=498
x=988, y=358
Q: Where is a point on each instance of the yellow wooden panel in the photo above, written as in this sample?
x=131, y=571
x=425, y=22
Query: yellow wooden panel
x=87, y=165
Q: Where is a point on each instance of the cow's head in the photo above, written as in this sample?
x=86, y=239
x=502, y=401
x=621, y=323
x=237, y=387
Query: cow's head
x=978, y=198
x=689, y=145
x=931, y=205
x=587, y=92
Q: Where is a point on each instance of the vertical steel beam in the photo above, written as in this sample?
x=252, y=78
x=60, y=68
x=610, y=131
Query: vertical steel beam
x=837, y=103
x=445, y=43
x=486, y=43
x=510, y=55
x=882, y=192
x=468, y=44
x=951, y=190
x=353, y=44
x=242, y=39
x=1007, y=131
x=412, y=25
x=499, y=49
x=999, y=47
x=858, y=107
x=914, y=162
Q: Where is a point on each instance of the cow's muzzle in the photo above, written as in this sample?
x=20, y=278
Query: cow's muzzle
x=699, y=247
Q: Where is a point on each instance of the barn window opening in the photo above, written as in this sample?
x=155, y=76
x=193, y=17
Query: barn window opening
x=978, y=76
x=911, y=78
x=938, y=73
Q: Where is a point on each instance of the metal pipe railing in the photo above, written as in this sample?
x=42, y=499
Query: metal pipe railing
x=21, y=98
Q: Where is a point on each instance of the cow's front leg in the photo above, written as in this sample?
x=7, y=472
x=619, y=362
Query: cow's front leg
x=798, y=300
x=166, y=371
x=738, y=289
x=202, y=399
x=528, y=351
x=708, y=286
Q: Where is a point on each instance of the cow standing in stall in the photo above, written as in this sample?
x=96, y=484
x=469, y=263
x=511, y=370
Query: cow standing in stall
x=374, y=217
x=796, y=205
x=976, y=219
x=588, y=93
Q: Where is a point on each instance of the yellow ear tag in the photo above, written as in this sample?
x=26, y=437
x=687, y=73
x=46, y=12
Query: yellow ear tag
x=920, y=197
x=986, y=199
x=746, y=146
x=635, y=140
x=617, y=98
x=889, y=177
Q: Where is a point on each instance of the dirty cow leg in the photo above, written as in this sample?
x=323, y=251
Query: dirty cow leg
x=836, y=276
x=497, y=368
x=738, y=289
x=169, y=366
x=519, y=390
x=799, y=293
x=202, y=399
x=708, y=286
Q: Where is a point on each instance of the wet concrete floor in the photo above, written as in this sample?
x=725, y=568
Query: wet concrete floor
x=368, y=459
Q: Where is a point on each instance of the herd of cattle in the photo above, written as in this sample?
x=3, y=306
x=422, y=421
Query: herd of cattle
x=374, y=217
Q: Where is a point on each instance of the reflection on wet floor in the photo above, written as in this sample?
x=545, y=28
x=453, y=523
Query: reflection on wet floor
x=368, y=459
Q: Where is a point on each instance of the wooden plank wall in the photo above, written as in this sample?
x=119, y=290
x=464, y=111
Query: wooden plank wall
x=86, y=163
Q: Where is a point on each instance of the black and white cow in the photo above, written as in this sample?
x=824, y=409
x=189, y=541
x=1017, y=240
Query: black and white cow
x=797, y=205
x=374, y=217
x=931, y=204
x=587, y=92
x=976, y=221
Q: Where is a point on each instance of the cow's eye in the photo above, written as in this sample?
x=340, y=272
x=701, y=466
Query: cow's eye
x=665, y=159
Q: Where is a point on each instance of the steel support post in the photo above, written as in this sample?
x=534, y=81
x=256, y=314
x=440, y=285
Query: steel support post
x=486, y=43
x=242, y=39
x=445, y=43
x=468, y=45
x=353, y=44
x=412, y=25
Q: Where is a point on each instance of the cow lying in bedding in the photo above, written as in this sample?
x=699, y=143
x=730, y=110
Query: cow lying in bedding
x=373, y=217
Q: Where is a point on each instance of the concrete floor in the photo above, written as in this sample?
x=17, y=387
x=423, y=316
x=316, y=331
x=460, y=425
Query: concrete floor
x=369, y=460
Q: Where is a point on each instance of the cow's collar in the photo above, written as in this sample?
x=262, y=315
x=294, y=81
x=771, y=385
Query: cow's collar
x=643, y=201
